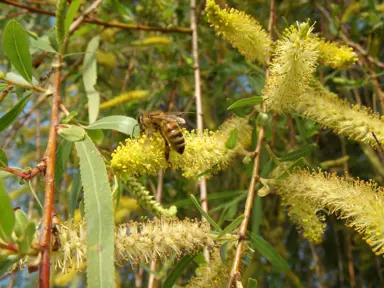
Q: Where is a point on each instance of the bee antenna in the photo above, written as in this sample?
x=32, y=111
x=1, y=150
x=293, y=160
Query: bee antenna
x=133, y=131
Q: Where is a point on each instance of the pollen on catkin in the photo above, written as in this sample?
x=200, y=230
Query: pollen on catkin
x=335, y=55
x=292, y=68
x=134, y=241
x=354, y=121
x=205, y=152
x=360, y=203
x=241, y=30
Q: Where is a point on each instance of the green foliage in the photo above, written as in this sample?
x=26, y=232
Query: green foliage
x=99, y=215
x=127, y=57
x=15, y=44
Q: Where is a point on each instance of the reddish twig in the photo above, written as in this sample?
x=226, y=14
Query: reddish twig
x=10, y=246
x=29, y=173
x=104, y=23
x=50, y=154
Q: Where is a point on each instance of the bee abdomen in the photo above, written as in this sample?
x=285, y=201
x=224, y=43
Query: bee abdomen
x=176, y=139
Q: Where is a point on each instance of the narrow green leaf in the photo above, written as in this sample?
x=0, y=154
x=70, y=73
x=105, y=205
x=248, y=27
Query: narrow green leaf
x=7, y=217
x=25, y=241
x=7, y=119
x=232, y=139
x=177, y=271
x=3, y=159
x=74, y=194
x=204, y=214
x=235, y=223
x=62, y=155
x=246, y=102
x=90, y=78
x=99, y=215
x=71, y=13
x=15, y=43
x=302, y=152
x=123, y=124
x=268, y=252
x=71, y=133
x=297, y=164
x=3, y=85
x=256, y=214
x=252, y=283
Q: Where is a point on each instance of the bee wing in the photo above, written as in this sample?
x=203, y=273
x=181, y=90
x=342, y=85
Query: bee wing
x=170, y=117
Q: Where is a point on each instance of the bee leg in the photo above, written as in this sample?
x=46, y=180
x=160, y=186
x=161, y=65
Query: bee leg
x=166, y=151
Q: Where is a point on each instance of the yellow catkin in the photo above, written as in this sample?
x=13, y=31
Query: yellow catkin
x=151, y=41
x=205, y=152
x=241, y=30
x=360, y=203
x=123, y=98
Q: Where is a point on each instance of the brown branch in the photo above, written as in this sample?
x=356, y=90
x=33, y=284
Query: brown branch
x=29, y=173
x=5, y=93
x=10, y=246
x=50, y=154
x=104, y=23
x=235, y=273
x=199, y=105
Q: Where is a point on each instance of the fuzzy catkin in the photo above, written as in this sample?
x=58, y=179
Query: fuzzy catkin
x=134, y=241
x=145, y=199
x=241, y=30
x=205, y=152
x=354, y=121
x=360, y=203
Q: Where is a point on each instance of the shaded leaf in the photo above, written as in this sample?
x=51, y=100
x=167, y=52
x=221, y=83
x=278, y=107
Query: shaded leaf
x=7, y=217
x=7, y=262
x=15, y=43
x=7, y=119
x=268, y=252
x=177, y=271
x=52, y=39
x=74, y=194
x=302, y=152
x=3, y=159
x=123, y=124
x=99, y=214
x=246, y=102
x=204, y=214
x=96, y=135
x=252, y=283
x=62, y=155
x=90, y=78
x=42, y=44
x=235, y=223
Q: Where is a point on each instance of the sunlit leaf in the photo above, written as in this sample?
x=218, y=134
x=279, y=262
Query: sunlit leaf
x=90, y=78
x=42, y=44
x=231, y=227
x=7, y=119
x=71, y=133
x=99, y=215
x=123, y=124
x=15, y=43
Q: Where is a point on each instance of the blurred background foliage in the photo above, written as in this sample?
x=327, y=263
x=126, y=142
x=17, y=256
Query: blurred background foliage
x=145, y=70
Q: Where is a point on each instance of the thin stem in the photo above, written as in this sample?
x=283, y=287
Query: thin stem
x=104, y=23
x=235, y=273
x=199, y=105
x=50, y=154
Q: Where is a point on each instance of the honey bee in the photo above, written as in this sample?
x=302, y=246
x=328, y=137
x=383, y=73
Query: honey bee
x=167, y=124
